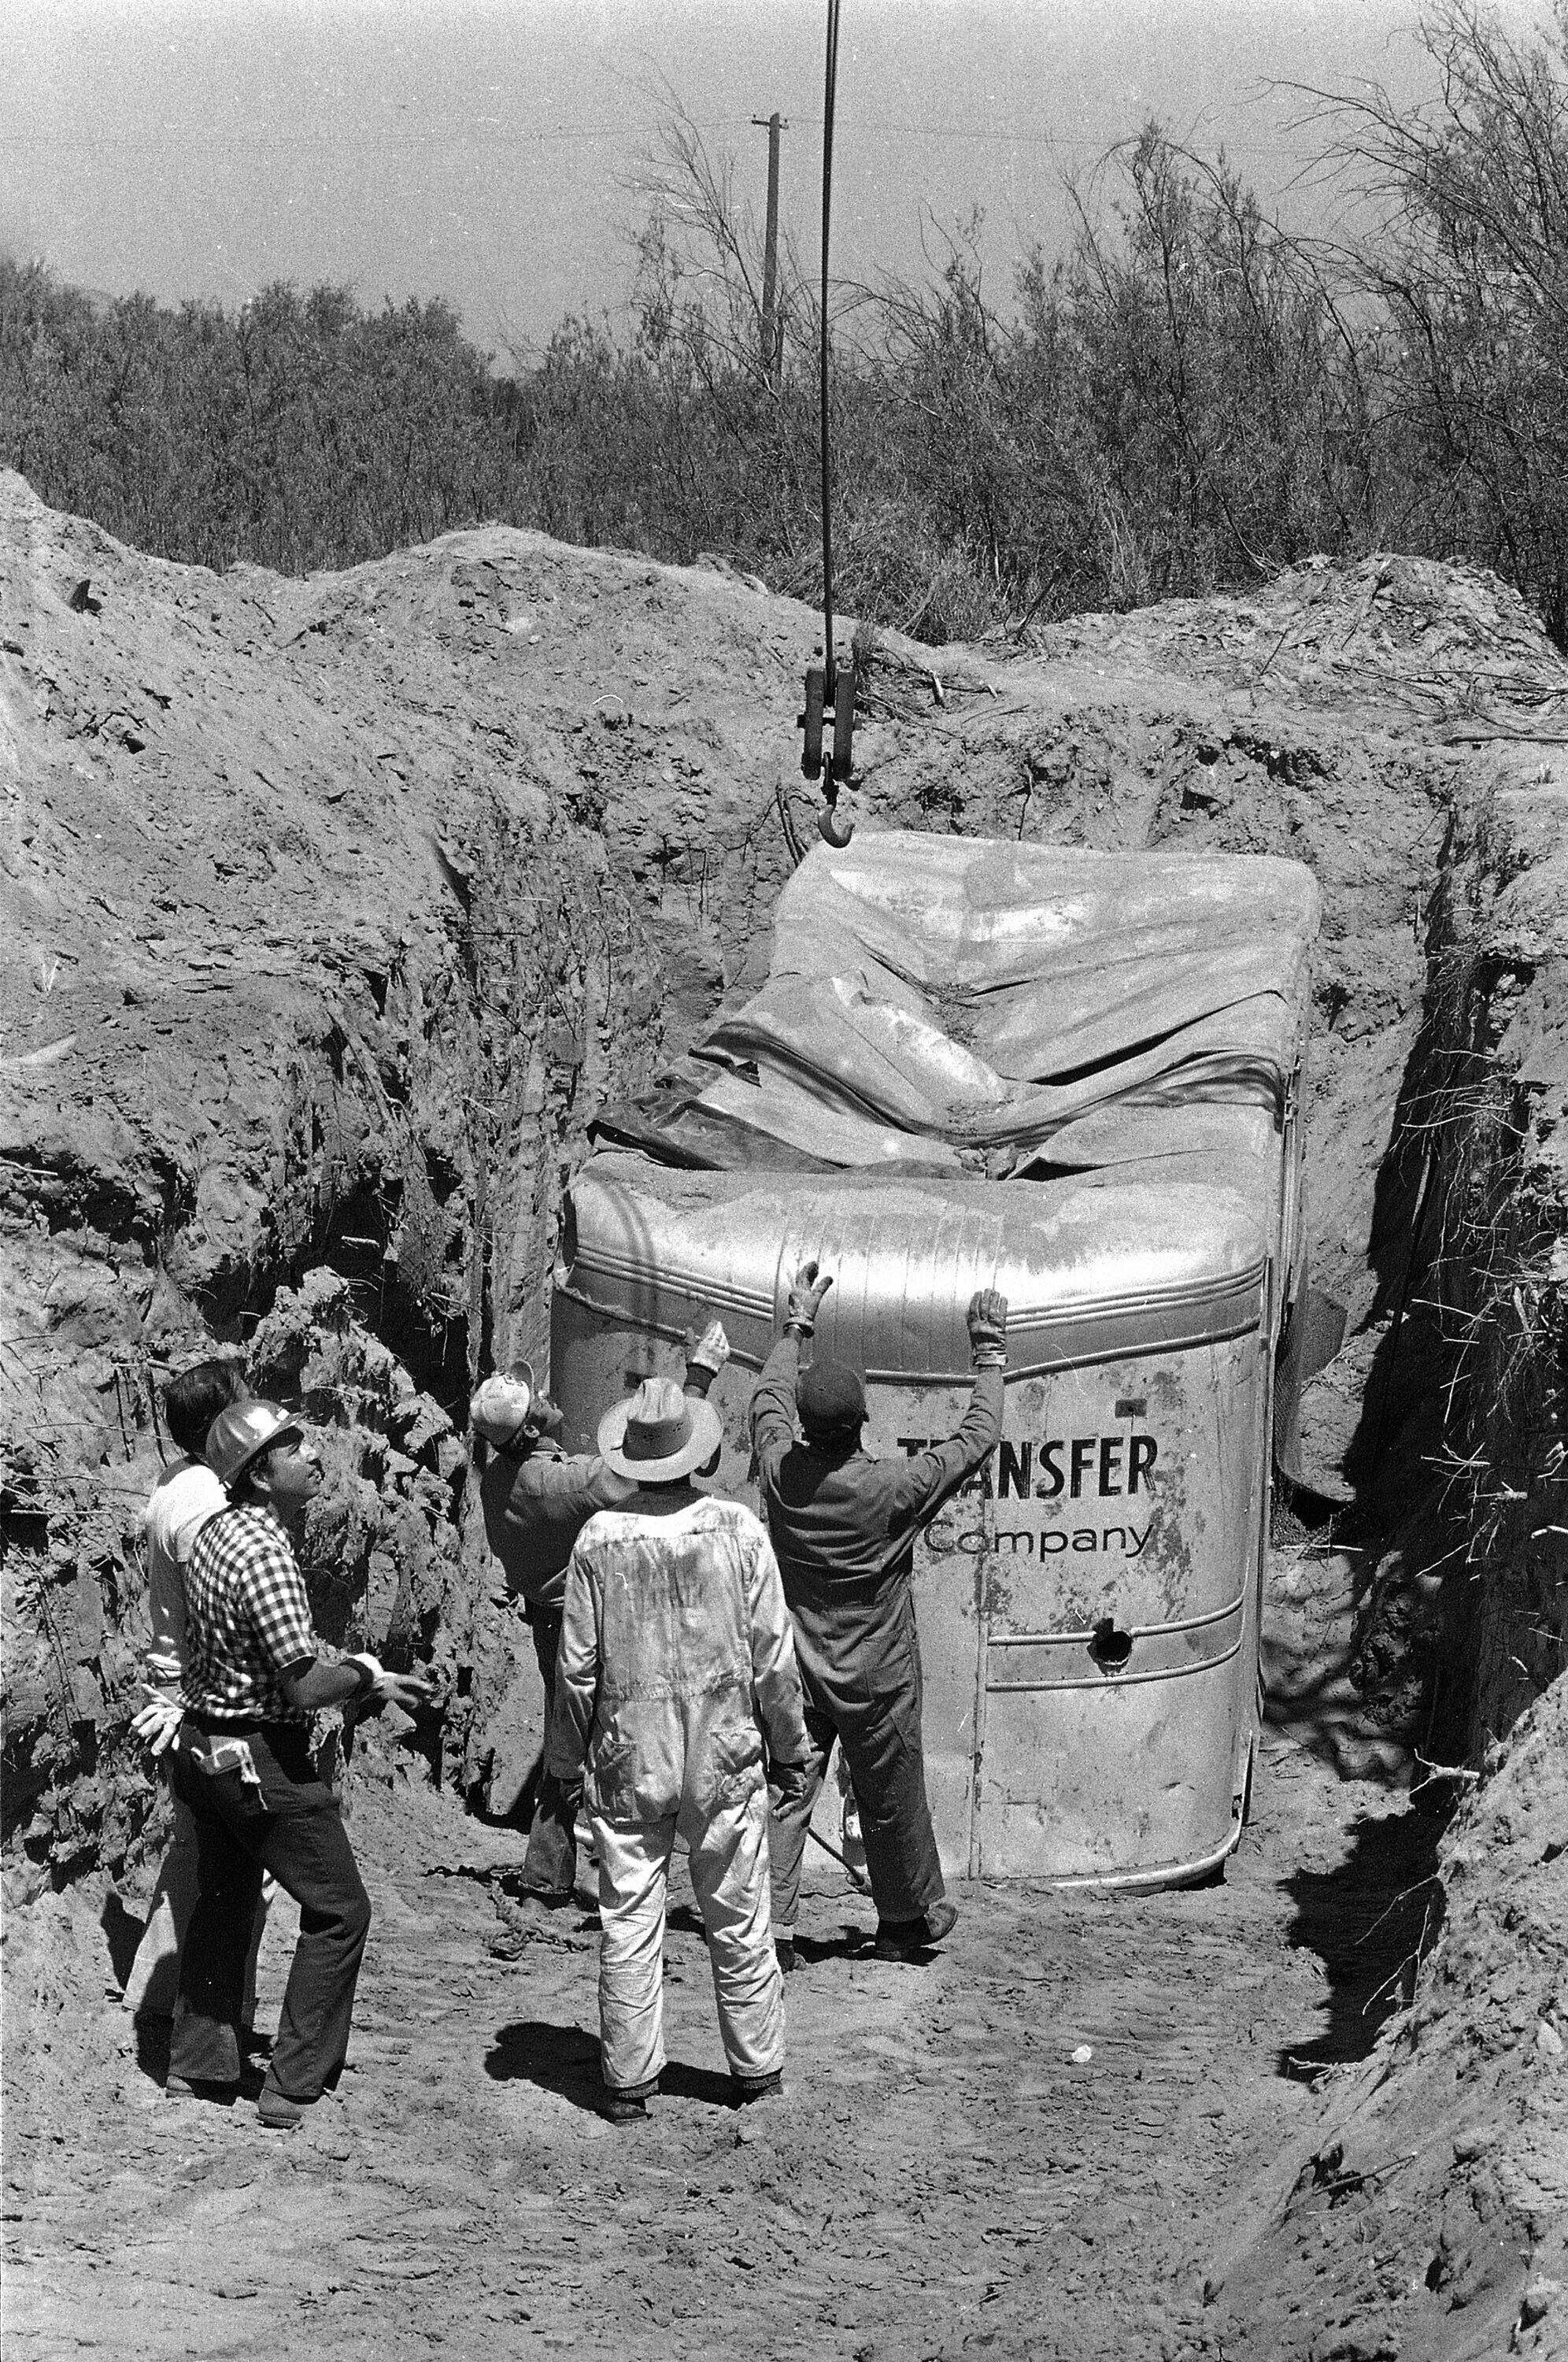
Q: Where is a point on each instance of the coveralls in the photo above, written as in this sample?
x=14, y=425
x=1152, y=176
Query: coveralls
x=843, y=1524
x=536, y=1501
x=676, y=1663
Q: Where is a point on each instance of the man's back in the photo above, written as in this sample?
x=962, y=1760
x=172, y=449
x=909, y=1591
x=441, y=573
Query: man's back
x=536, y=1503
x=842, y=1521
x=183, y=1498
x=675, y=1619
x=836, y=1519
x=676, y=1652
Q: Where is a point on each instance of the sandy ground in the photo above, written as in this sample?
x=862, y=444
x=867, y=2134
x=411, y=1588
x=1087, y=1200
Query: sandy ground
x=948, y=2171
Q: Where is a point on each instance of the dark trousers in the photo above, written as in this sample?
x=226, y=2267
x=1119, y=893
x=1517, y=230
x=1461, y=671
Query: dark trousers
x=287, y=1822
x=550, y=1863
x=872, y=1704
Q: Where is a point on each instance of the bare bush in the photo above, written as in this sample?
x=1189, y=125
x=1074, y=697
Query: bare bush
x=1468, y=265
x=1189, y=398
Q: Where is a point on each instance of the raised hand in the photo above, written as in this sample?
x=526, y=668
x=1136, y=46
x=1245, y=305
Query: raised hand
x=988, y=1329
x=706, y=1358
x=806, y=1293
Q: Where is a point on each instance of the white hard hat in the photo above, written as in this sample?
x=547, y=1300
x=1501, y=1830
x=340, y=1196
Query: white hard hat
x=501, y=1406
x=242, y=1432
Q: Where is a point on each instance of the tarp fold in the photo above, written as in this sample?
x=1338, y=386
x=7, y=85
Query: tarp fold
x=940, y=1005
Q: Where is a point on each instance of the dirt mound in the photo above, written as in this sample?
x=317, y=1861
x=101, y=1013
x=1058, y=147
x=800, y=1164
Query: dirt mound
x=1460, y=651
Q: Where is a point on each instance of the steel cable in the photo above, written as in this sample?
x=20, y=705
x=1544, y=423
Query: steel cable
x=830, y=87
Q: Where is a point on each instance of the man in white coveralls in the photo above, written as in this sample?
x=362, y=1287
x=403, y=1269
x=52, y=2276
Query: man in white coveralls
x=679, y=1691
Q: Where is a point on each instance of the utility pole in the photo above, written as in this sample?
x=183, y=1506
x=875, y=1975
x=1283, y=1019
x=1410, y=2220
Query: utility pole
x=772, y=343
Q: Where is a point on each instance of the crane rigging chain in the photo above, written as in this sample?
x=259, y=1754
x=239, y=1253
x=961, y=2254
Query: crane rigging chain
x=830, y=686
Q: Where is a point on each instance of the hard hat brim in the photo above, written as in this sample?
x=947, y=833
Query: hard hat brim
x=288, y=1426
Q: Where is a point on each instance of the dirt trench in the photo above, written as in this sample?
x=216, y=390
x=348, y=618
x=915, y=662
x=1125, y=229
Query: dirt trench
x=334, y=909
x=1036, y=2144
x=331, y=910
x=1204, y=2123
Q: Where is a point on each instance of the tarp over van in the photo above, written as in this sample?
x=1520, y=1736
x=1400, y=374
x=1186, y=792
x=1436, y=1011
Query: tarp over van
x=938, y=1005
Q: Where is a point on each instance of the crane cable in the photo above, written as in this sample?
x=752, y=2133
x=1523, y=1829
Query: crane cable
x=829, y=92
x=830, y=694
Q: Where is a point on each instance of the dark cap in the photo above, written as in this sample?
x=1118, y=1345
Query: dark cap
x=831, y=1399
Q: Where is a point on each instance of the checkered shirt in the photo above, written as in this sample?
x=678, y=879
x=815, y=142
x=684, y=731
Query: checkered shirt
x=247, y=1618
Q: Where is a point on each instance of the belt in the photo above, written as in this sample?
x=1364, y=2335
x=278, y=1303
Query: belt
x=249, y=1725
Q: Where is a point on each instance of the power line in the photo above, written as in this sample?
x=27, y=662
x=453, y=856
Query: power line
x=957, y=134
x=371, y=141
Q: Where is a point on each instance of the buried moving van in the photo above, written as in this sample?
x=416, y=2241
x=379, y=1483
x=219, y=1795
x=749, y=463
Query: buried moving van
x=1075, y=1077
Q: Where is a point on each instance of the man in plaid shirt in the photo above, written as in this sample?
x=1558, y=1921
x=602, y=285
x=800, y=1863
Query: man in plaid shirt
x=254, y=1675
x=184, y=1498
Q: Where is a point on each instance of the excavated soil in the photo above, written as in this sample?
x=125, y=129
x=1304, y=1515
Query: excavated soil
x=333, y=908
x=1091, y=2128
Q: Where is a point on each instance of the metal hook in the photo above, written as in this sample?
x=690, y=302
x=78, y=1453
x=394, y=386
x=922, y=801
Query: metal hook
x=831, y=829
x=830, y=698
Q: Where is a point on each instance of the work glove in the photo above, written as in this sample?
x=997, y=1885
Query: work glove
x=788, y=1782
x=806, y=1293
x=545, y=1417
x=706, y=1358
x=158, y=1722
x=384, y=1688
x=988, y=1329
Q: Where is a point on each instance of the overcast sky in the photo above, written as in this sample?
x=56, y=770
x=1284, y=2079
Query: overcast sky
x=478, y=148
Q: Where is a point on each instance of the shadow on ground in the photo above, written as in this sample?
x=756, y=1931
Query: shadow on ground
x=123, y=1931
x=565, y=2060
x=1370, y=1920
x=849, y=1944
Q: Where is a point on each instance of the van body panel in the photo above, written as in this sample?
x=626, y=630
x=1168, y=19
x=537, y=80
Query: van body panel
x=1124, y=1493
x=1074, y=1077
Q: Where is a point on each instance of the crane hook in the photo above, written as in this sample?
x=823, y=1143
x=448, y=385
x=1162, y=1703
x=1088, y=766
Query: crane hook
x=830, y=827
x=830, y=704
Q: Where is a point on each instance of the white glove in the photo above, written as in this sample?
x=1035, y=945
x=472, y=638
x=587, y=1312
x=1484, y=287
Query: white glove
x=712, y=1349
x=158, y=1722
x=706, y=1358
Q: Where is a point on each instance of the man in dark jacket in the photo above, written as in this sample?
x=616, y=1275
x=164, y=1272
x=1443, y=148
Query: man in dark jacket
x=536, y=1499
x=842, y=1526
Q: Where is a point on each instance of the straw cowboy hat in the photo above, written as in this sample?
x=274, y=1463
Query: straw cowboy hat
x=500, y=1409
x=659, y=1433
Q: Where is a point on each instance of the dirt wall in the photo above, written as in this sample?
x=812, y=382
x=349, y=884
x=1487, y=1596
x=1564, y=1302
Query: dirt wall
x=287, y=1003
x=1499, y=1262
x=1424, y=2213
x=334, y=908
